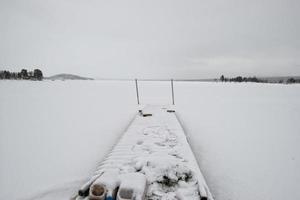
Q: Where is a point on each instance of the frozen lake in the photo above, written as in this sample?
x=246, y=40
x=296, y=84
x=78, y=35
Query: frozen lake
x=53, y=134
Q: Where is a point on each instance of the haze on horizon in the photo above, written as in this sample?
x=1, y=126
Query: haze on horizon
x=151, y=39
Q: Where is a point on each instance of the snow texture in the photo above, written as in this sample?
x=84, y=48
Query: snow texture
x=156, y=146
x=135, y=182
x=54, y=133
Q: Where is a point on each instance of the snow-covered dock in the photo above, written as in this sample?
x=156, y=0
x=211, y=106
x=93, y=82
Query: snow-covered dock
x=152, y=160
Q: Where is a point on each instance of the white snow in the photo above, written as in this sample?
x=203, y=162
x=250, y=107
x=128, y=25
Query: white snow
x=245, y=136
x=155, y=146
x=110, y=179
x=135, y=182
x=54, y=134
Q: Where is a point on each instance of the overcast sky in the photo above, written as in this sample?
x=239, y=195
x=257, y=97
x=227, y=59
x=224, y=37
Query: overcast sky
x=151, y=39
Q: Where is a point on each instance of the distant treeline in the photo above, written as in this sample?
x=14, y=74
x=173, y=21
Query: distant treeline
x=257, y=80
x=36, y=74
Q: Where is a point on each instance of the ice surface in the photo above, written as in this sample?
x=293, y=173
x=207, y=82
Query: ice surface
x=54, y=134
x=246, y=137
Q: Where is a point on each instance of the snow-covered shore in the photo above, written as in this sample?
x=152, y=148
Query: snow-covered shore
x=53, y=134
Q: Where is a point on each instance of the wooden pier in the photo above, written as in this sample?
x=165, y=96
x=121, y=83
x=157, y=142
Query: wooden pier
x=152, y=160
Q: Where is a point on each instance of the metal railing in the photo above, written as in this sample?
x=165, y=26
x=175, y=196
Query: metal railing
x=138, y=95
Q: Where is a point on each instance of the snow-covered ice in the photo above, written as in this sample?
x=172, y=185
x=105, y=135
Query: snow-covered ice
x=246, y=137
x=53, y=134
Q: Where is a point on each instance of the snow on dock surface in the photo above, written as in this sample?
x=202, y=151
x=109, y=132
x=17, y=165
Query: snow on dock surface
x=155, y=145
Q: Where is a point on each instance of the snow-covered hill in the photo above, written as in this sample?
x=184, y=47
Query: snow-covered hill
x=63, y=77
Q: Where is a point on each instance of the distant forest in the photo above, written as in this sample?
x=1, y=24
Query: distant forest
x=36, y=74
x=257, y=80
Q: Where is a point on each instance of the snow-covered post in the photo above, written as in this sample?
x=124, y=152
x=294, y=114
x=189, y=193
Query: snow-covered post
x=84, y=190
x=172, y=92
x=137, y=92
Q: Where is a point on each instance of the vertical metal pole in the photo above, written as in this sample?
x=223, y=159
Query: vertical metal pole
x=172, y=92
x=137, y=92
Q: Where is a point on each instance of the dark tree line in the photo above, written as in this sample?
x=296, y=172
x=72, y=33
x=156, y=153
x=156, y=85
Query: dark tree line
x=241, y=79
x=36, y=74
x=256, y=80
x=292, y=80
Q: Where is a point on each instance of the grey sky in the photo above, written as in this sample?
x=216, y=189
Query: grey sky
x=151, y=39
